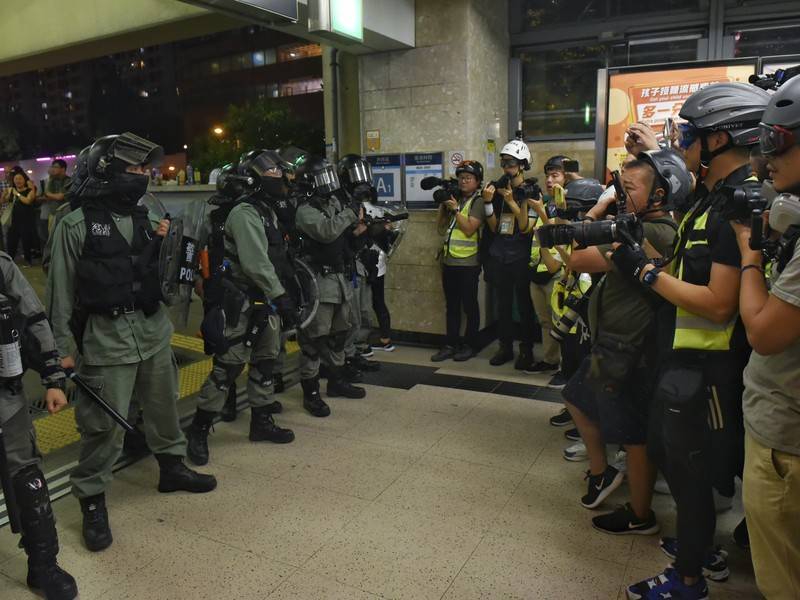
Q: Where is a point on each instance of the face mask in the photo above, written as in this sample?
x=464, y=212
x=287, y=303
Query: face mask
x=273, y=187
x=131, y=185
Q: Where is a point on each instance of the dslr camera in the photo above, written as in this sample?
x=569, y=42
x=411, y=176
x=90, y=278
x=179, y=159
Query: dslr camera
x=742, y=201
x=447, y=188
x=625, y=229
x=573, y=306
x=528, y=189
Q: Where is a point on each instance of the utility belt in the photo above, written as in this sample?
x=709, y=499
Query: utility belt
x=341, y=268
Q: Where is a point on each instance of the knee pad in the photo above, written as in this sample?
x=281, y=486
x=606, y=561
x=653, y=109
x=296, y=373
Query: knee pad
x=223, y=376
x=261, y=372
x=33, y=499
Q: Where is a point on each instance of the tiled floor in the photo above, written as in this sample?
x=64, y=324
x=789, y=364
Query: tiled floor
x=420, y=493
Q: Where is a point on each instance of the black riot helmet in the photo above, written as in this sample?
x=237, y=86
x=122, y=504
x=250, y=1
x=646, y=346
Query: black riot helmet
x=229, y=184
x=318, y=175
x=108, y=160
x=353, y=171
x=266, y=170
x=79, y=177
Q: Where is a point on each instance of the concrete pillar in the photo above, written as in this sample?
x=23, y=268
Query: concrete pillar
x=447, y=93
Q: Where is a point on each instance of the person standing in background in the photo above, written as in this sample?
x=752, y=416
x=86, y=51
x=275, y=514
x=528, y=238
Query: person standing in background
x=54, y=195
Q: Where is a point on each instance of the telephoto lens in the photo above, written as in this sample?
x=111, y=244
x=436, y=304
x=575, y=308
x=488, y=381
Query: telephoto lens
x=562, y=327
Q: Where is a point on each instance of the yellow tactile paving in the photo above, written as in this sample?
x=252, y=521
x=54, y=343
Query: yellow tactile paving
x=57, y=431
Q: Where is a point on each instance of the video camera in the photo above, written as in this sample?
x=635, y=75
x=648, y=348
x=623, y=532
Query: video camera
x=447, y=188
x=774, y=80
x=742, y=202
x=528, y=189
x=625, y=229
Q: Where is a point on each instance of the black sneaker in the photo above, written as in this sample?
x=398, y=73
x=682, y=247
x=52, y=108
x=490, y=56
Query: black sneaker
x=542, y=367
x=573, y=434
x=601, y=486
x=562, y=419
x=623, y=521
x=558, y=380
x=715, y=565
x=502, y=356
x=443, y=354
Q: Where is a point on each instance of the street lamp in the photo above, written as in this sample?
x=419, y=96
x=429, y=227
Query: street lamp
x=218, y=130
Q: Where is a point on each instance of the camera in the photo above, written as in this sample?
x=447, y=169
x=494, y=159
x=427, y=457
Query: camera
x=773, y=81
x=742, y=201
x=447, y=188
x=573, y=306
x=529, y=188
x=626, y=229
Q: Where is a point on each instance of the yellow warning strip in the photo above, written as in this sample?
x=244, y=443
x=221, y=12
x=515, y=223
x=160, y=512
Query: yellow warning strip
x=58, y=431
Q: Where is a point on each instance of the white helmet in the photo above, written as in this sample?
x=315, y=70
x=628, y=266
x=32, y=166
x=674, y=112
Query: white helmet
x=519, y=150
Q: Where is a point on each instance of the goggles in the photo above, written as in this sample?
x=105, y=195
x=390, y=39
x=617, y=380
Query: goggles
x=775, y=140
x=509, y=162
x=687, y=135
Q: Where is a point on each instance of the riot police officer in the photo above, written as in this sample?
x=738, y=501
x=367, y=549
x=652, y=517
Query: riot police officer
x=325, y=225
x=104, y=301
x=249, y=268
x=22, y=313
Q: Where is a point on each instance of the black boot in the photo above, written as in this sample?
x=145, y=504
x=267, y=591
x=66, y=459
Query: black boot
x=263, y=428
x=324, y=371
x=229, y=410
x=39, y=537
x=176, y=476
x=96, y=531
x=504, y=354
x=279, y=384
x=350, y=372
x=312, y=401
x=525, y=359
x=197, y=436
x=364, y=365
x=339, y=386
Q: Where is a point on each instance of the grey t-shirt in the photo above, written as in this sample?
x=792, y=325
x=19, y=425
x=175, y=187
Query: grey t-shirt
x=771, y=398
x=479, y=212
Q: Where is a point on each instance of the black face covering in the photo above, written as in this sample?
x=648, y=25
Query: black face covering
x=273, y=187
x=131, y=186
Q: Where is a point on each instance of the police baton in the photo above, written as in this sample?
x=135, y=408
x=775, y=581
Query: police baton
x=95, y=397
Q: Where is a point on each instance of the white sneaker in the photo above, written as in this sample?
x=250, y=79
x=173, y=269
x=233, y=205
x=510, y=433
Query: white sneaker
x=576, y=452
x=620, y=461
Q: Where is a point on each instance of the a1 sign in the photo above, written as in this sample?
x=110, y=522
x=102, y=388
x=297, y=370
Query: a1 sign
x=387, y=172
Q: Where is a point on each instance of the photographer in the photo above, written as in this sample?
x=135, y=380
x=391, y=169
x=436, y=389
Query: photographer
x=505, y=203
x=609, y=396
x=697, y=402
x=460, y=221
x=772, y=377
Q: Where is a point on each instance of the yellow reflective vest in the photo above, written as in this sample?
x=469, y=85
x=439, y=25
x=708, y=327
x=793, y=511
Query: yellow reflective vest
x=536, y=256
x=573, y=284
x=457, y=244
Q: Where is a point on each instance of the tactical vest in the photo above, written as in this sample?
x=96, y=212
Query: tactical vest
x=333, y=255
x=113, y=276
x=692, y=264
x=458, y=244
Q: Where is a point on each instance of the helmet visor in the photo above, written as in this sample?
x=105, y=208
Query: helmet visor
x=265, y=165
x=360, y=172
x=134, y=150
x=687, y=134
x=775, y=140
x=326, y=180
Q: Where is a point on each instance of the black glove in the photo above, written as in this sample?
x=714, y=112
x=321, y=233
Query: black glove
x=630, y=260
x=287, y=310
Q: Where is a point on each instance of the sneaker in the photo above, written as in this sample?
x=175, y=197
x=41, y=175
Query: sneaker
x=502, y=356
x=542, y=367
x=463, y=353
x=661, y=486
x=558, y=381
x=573, y=434
x=601, y=486
x=623, y=521
x=668, y=585
x=715, y=566
x=387, y=347
x=562, y=419
x=576, y=452
x=741, y=536
x=443, y=354
x=366, y=351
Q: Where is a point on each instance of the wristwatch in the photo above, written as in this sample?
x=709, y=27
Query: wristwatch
x=57, y=384
x=649, y=278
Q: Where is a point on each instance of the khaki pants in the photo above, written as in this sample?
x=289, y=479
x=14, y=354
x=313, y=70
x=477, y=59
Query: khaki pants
x=541, y=305
x=772, y=506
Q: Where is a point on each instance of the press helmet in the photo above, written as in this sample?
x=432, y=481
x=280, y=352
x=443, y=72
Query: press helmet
x=555, y=162
x=584, y=190
x=519, y=150
x=783, y=111
x=673, y=174
x=470, y=166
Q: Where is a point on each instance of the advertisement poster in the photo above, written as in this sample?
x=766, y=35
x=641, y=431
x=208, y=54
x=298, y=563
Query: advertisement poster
x=652, y=96
x=387, y=173
x=419, y=165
